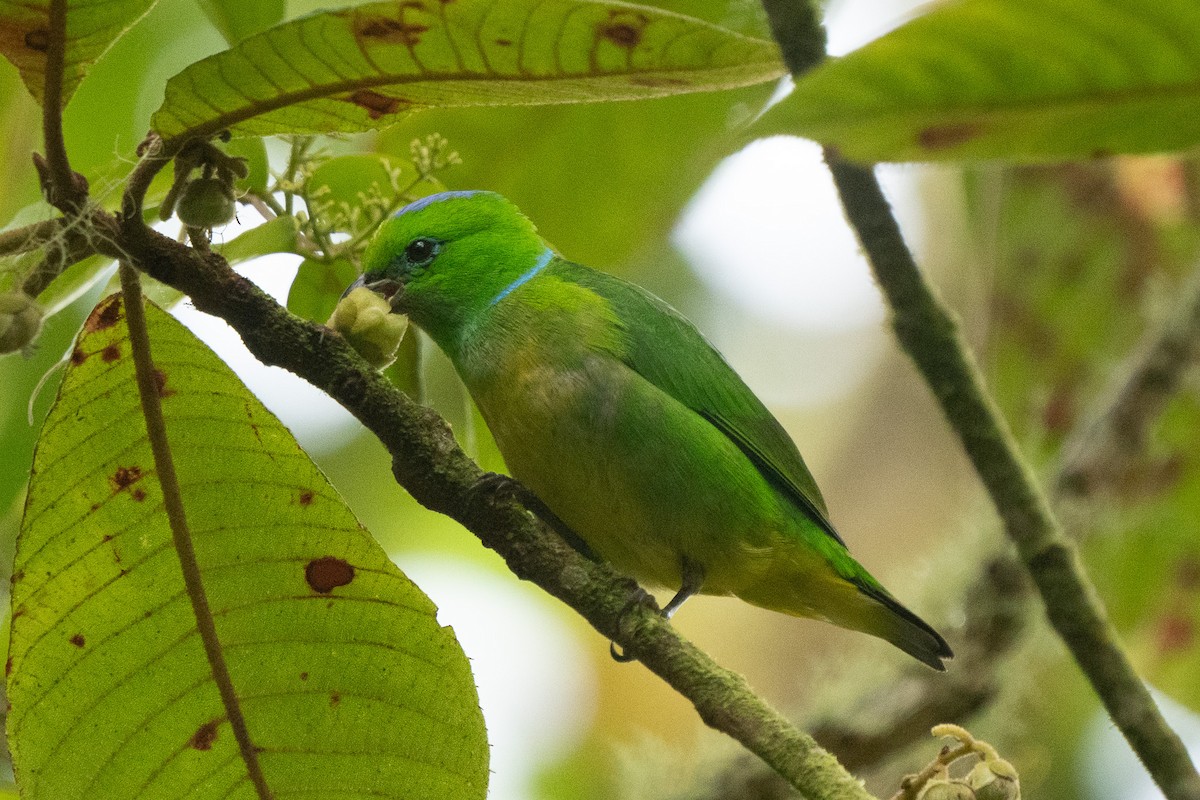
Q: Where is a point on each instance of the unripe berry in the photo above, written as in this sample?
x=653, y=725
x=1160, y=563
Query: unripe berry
x=20, y=321
x=206, y=203
x=946, y=790
x=995, y=779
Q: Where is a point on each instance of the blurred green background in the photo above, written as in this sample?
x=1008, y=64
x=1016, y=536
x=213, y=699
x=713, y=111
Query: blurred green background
x=1057, y=272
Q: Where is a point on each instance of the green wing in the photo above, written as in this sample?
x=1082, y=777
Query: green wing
x=667, y=350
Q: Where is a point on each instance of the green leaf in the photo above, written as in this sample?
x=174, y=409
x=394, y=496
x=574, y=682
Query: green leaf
x=348, y=685
x=1019, y=79
x=273, y=236
x=318, y=285
x=91, y=29
x=364, y=67
x=240, y=19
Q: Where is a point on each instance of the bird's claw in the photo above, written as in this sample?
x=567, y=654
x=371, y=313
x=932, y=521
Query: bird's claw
x=640, y=598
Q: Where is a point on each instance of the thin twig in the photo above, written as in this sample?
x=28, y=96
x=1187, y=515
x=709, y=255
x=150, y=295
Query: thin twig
x=164, y=467
x=63, y=188
x=930, y=336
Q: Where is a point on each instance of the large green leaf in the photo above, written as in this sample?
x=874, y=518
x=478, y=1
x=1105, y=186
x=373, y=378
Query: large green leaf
x=92, y=27
x=1023, y=79
x=363, y=67
x=348, y=685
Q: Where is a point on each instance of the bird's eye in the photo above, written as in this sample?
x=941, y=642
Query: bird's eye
x=420, y=251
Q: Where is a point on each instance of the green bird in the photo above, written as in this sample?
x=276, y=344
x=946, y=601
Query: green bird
x=625, y=422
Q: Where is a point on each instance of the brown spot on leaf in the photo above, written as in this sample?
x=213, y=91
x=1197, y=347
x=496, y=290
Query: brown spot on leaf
x=111, y=353
x=204, y=736
x=8, y=666
x=38, y=39
x=78, y=357
x=138, y=495
x=78, y=640
x=334, y=698
x=125, y=477
x=394, y=31
x=105, y=315
x=303, y=676
x=623, y=28
x=106, y=537
x=160, y=383
x=306, y=498
x=621, y=34
x=503, y=42
x=952, y=134
x=327, y=573
x=376, y=104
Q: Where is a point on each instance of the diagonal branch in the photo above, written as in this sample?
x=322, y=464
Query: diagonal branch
x=430, y=465
x=930, y=336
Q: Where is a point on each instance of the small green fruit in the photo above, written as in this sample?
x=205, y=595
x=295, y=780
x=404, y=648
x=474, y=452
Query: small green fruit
x=365, y=320
x=995, y=779
x=20, y=322
x=946, y=790
x=206, y=203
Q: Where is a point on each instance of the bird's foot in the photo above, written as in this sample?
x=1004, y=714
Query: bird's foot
x=640, y=598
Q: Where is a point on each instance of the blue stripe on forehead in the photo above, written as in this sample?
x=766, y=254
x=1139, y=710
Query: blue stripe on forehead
x=417, y=205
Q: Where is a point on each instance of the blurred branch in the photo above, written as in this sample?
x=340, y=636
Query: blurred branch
x=929, y=334
x=1096, y=459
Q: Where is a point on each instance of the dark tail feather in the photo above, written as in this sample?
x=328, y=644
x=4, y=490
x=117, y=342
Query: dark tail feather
x=906, y=630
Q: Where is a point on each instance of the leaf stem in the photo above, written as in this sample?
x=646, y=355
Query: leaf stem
x=63, y=188
x=164, y=466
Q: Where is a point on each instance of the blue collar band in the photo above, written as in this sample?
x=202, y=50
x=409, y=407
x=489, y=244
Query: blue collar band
x=542, y=261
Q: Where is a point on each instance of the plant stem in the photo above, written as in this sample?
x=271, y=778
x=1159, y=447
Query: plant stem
x=930, y=336
x=164, y=467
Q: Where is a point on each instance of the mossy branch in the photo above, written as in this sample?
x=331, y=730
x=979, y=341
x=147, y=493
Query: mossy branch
x=930, y=336
x=429, y=464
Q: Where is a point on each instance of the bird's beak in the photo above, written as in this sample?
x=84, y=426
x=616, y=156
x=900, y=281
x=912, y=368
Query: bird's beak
x=390, y=289
x=360, y=281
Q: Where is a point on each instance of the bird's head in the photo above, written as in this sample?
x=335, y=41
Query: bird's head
x=445, y=259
